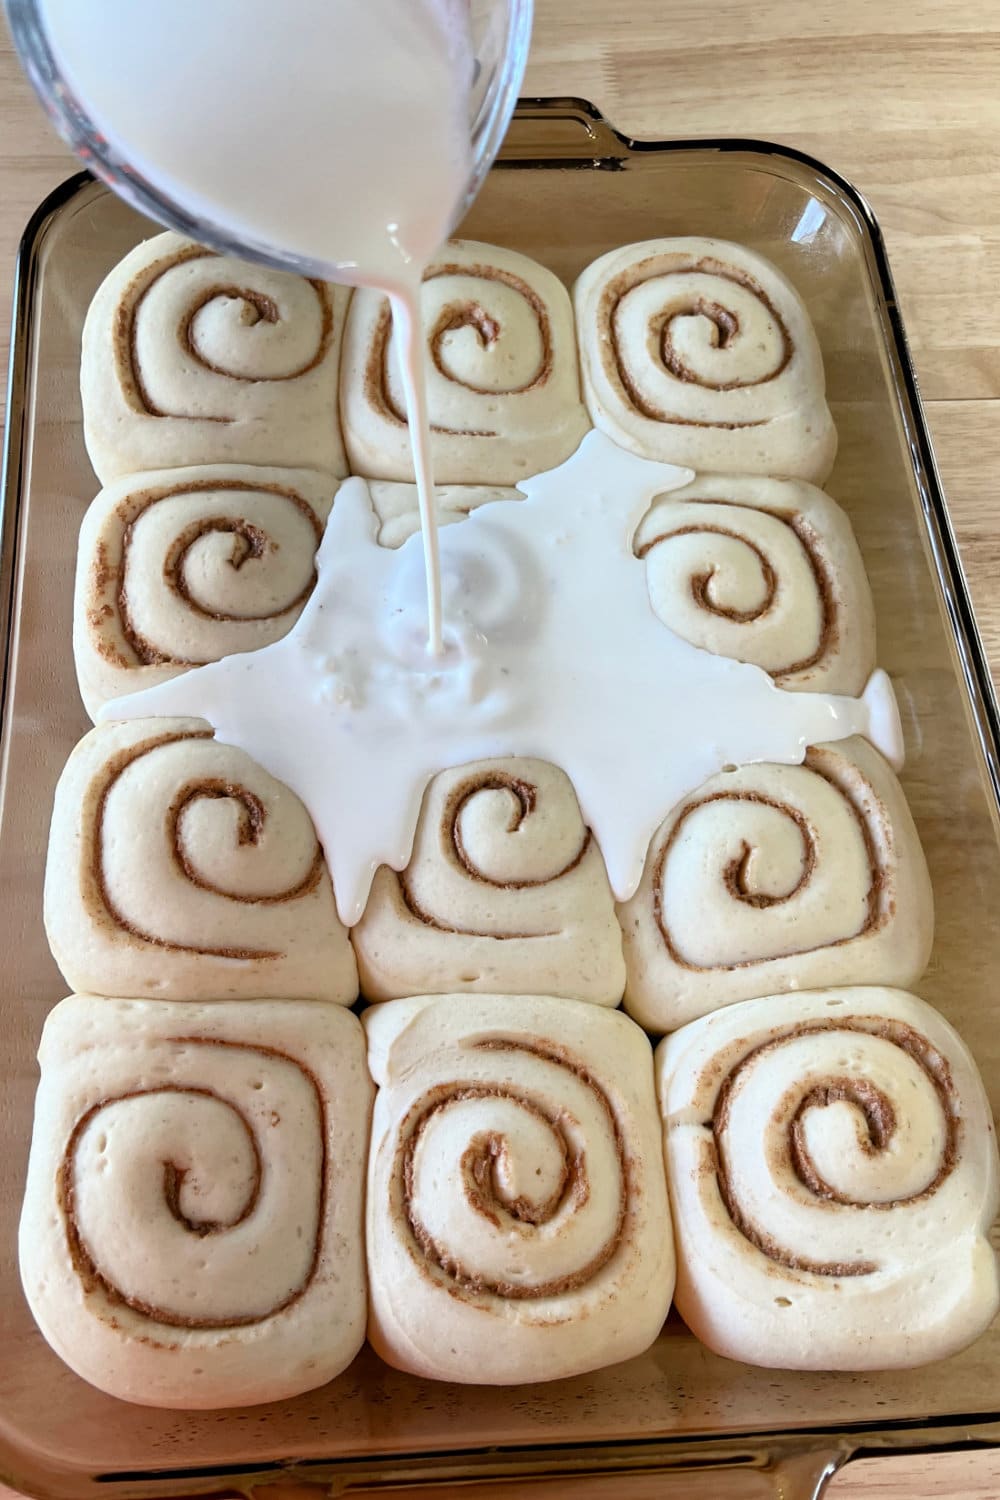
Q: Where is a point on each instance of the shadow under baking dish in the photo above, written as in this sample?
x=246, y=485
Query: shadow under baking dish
x=567, y=188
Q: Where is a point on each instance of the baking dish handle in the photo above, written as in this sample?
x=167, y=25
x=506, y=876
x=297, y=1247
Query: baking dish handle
x=804, y=1476
x=794, y=1475
x=561, y=129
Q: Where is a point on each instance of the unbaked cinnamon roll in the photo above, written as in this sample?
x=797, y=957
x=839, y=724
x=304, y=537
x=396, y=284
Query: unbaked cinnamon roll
x=517, y=1218
x=505, y=891
x=765, y=571
x=503, y=384
x=192, y=1226
x=700, y=352
x=833, y=1175
x=185, y=566
x=190, y=357
x=180, y=870
x=773, y=877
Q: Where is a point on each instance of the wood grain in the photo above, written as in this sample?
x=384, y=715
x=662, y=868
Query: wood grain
x=901, y=96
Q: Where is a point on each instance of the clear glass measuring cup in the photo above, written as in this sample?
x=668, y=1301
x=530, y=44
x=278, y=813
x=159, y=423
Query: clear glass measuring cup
x=500, y=33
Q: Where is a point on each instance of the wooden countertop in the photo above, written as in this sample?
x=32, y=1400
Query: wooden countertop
x=902, y=97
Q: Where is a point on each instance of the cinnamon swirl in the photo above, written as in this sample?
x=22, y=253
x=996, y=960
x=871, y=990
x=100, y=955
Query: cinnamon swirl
x=833, y=1175
x=505, y=890
x=179, y=869
x=699, y=352
x=766, y=571
x=191, y=1232
x=503, y=385
x=517, y=1220
x=190, y=357
x=185, y=566
x=773, y=877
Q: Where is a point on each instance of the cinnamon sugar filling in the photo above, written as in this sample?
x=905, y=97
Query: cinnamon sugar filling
x=249, y=541
x=734, y=874
x=876, y=1111
x=479, y=1184
x=252, y=817
x=822, y=576
x=724, y=321
x=524, y=796
x=458, y=315
x=93, y=1280
x=258, y=308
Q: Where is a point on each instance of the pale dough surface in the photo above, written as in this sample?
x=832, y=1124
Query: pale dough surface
x=517, y=1222
x=833, y=1171
x=192, y=1228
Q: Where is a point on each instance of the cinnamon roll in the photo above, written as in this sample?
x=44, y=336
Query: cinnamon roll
x=503, y=384
x=192, y=1226
x=766, y=571
x=180, y=870
x=505, y=890
x=517, y=1220
x=190, y=357
x=185, y=566
x=699, y=352
x=398, y=509
x=773, y=877
x=833, y=1175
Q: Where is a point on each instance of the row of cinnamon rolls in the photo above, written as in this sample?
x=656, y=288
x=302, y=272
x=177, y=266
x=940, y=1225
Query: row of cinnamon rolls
x=695, y=351
x=810, y=1178
x=178, y=568
x=179, y=869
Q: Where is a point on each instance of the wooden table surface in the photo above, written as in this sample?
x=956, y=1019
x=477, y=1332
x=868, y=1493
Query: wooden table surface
x=903, y=97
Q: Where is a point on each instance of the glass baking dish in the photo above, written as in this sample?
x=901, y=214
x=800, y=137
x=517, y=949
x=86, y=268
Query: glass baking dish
x=567, y=188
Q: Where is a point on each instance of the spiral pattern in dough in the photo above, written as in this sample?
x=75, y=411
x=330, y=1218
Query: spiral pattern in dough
x=184, y=567
x=223, y=326
x=851, y=1158
x=498, y=828
x=765, y=571
x=842, y=1141
x=514, y=1189
x=505, y=890
x=149, y=1175
x=771, y=877
x=502, y=383
x=699, y=352
x=192, y=1226
x=538, y=1174
x=194, y=357
x=179, y=868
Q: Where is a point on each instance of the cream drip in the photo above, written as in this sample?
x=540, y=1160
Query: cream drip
x=551, y=650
